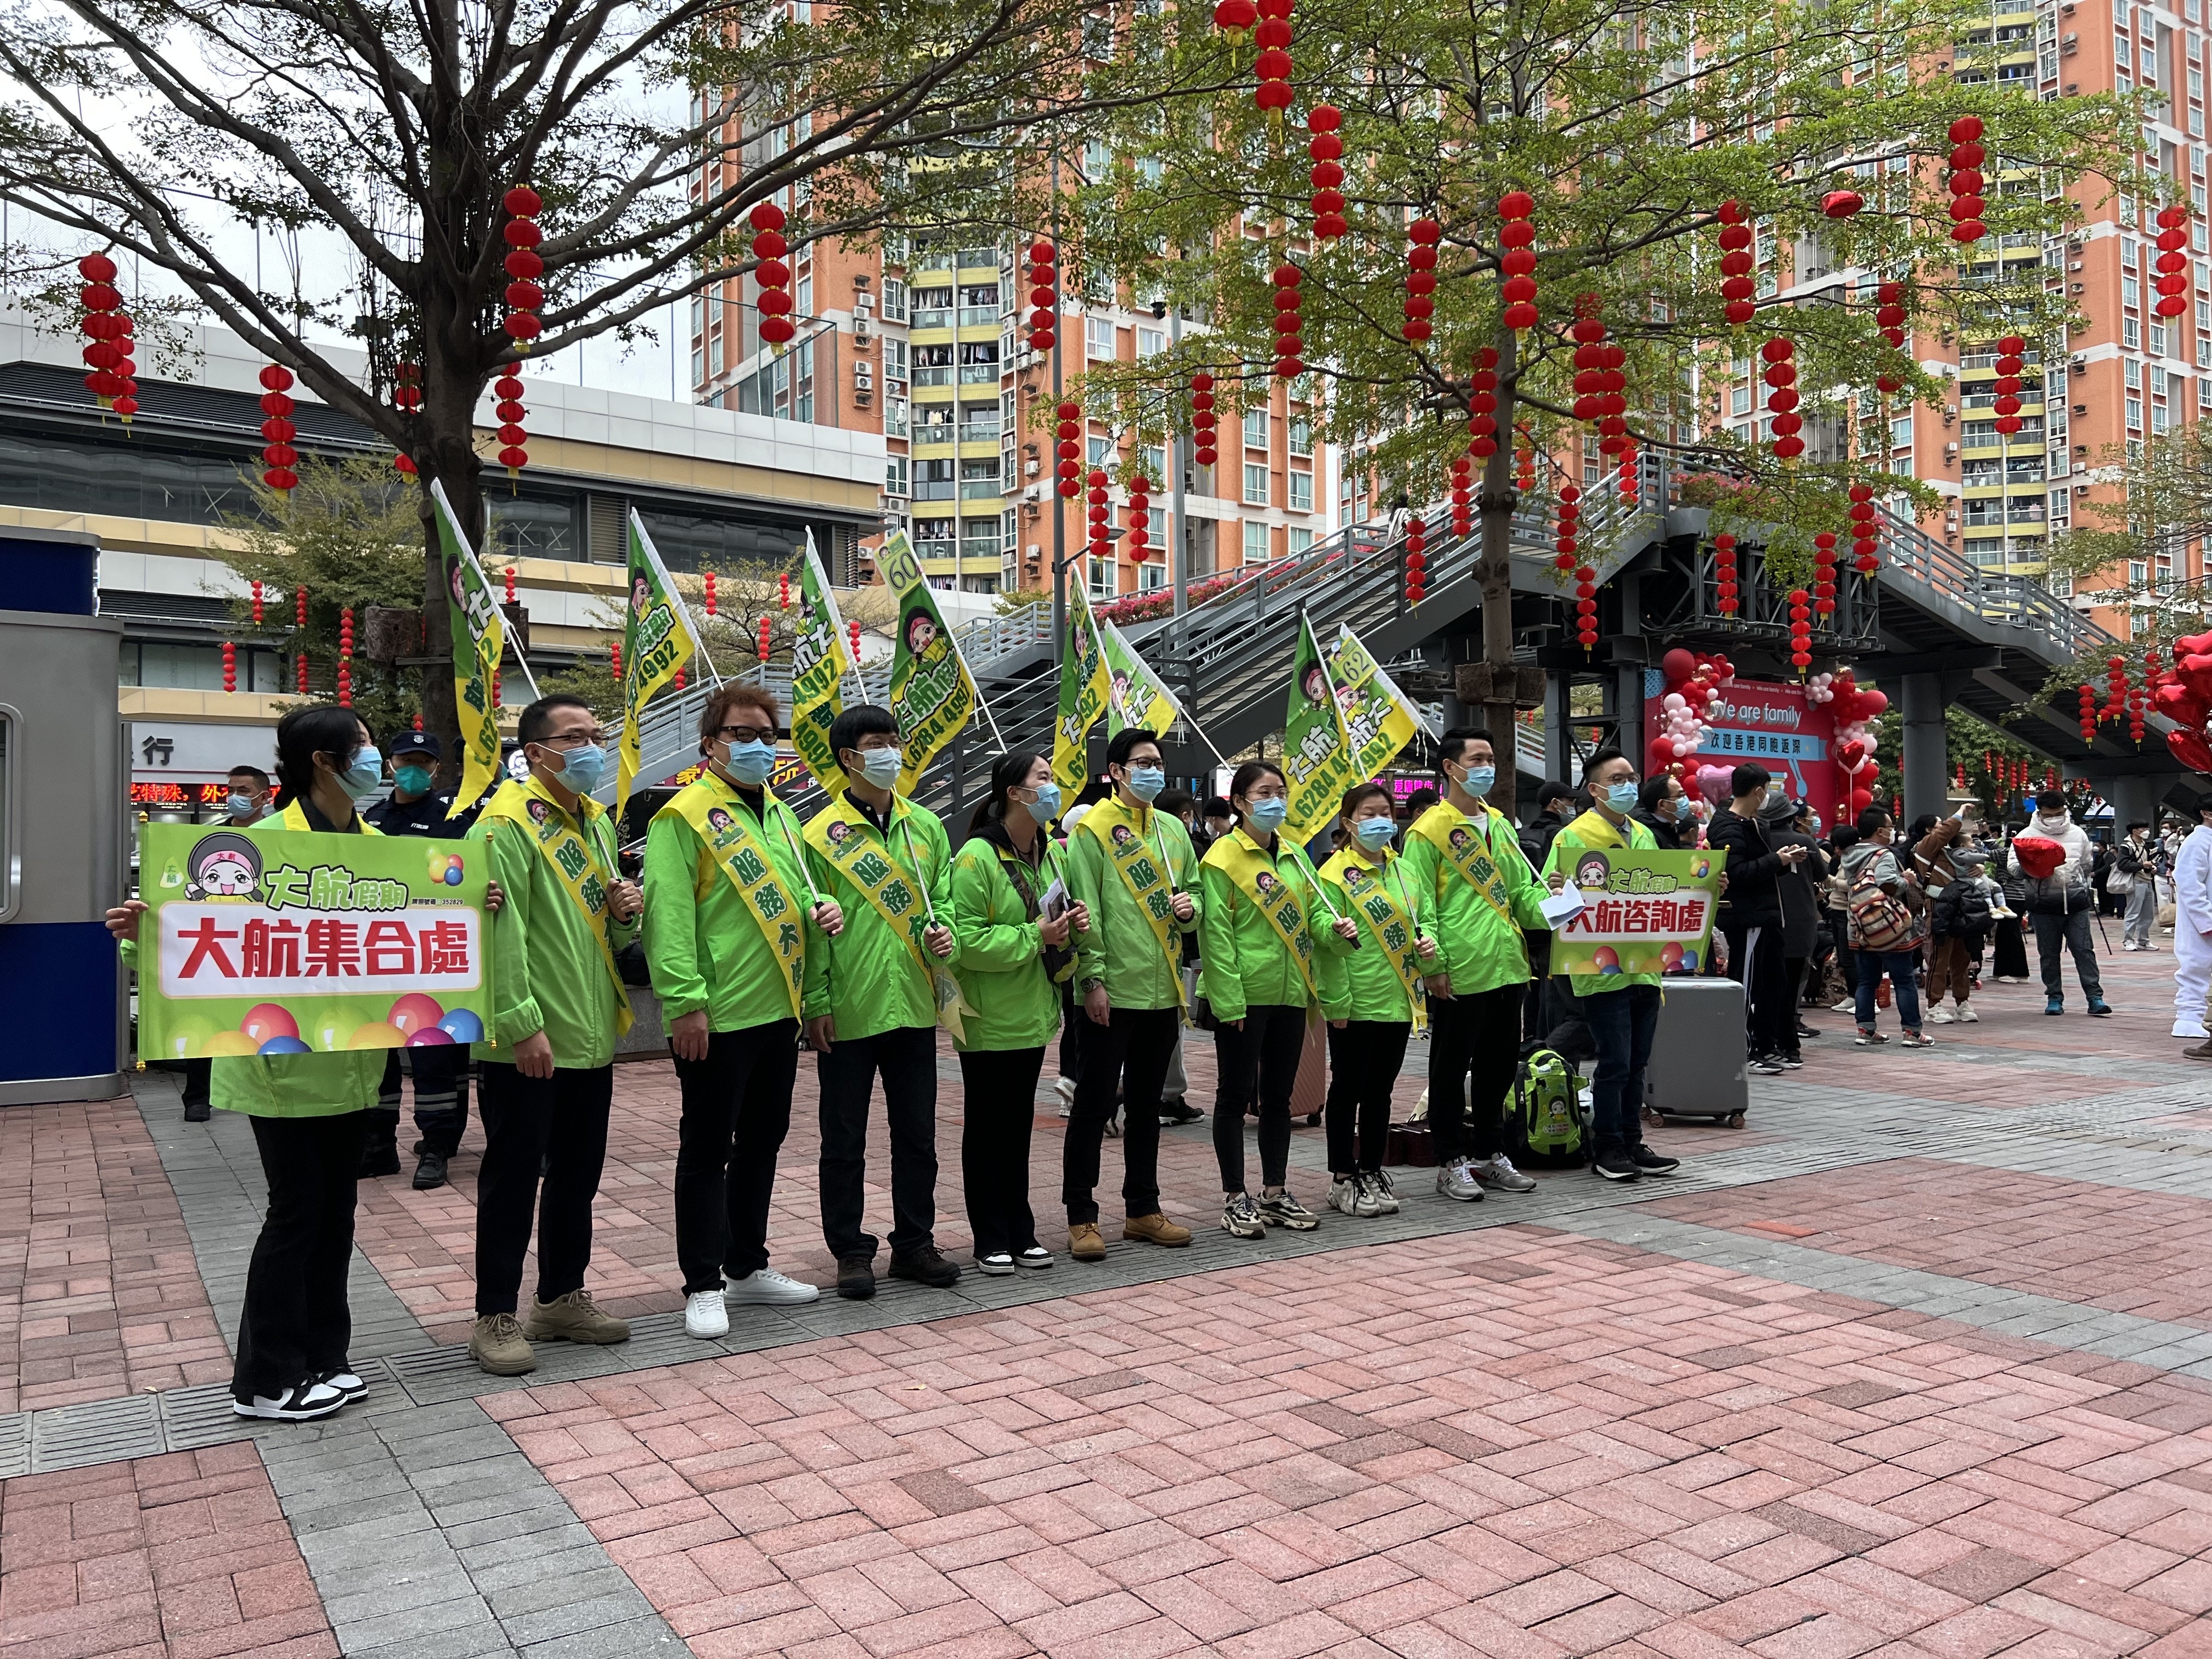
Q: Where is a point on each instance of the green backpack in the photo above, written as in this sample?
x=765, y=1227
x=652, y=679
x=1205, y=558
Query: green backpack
x=1544, y=1124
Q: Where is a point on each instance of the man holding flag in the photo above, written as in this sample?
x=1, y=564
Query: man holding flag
x=657, y=641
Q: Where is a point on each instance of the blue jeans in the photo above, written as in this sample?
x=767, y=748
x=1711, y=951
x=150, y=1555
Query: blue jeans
x=1898, y=964
x=1621, y=1024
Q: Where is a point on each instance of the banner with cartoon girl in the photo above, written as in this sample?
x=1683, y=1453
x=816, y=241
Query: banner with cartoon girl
x=1642, y=912
x=288, y=942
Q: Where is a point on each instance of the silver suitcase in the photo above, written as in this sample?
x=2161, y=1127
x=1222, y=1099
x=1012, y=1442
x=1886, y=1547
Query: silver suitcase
x=1699, y=1067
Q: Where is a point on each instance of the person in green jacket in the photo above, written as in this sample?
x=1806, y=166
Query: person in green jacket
x=1130, y=868
x=1011, y=956
x=309, y=1113
x=1372, y=997
x=1256, y=941
x=1467, y=873
x=1622, y=1010
x=872, y=1002
x=730, y=921
x=547, y=1085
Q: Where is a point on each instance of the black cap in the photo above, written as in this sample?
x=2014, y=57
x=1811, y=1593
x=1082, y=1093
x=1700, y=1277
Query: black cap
x=414, y=743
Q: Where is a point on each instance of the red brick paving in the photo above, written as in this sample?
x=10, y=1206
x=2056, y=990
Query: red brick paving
x=1506, y=1443
x=186, y=1556
x=99, y=1292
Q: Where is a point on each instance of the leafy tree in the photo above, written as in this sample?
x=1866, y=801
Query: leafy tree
x=1629, y=126
x=2162, y=503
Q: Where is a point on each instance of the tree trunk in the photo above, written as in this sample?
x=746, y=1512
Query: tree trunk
x=1494, y=575
x=447, y=455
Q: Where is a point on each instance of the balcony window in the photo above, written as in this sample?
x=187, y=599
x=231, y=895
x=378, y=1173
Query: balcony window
x=1255, y=428
x=894, y=300
x=979, y=363
x=1301, y=492
x=979, y=481
x=1098, y=339
x=1255, y=541
x=1255, y=484
x=933, y=307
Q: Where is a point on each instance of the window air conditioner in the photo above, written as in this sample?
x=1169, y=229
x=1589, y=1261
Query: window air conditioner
x=2081, y=409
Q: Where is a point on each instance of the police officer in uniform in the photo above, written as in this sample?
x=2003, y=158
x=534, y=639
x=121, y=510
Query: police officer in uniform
x=416, y=807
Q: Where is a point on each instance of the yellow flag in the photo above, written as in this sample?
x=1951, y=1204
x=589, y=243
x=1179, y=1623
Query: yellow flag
x=656, y=642
x=933, y=694
x=1084, y=688
x=819, y=663
x=479, y=638
x=1378, y=720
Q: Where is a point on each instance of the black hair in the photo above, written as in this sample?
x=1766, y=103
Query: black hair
x=1248, y=775
x=539, y=717
x=1173, y=801
x=1007, y=772
x=2138, y=823
x=1921, y=826
x=1747, y=778
x=2203, y=805
x=1420, y=800
x=322, y=729
x=1654, y=790
x=1600, y=758
x=1873, y=819
x=1843, y=836
x=862, y=720
x=1357, y=795
x=1453, y=742
x=253, y=772
x=2051, y=800
x=1117, y=751
x=1552, y=790
x=1217, y=806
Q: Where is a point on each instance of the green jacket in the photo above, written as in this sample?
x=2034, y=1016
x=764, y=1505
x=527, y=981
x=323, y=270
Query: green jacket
x=1120, y=951
x=291, y=1085
x=703, y=941
x=1001, y=972
x=868, y=977
x=1247, y=965
x=1361, y=984
x=548, y=972
x=1592, y=829
x=1480, y=948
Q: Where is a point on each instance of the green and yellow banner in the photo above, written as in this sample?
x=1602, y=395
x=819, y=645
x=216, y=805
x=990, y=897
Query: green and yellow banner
x=479, y=638
x=1317, y=756
x=1082, y=694
x=819, y=663
x=933, y=694
x=1378, y=719
x=1134, y=695
x=1642, y=912
x=657, y=641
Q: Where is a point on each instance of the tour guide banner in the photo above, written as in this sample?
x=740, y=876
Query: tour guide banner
x=292, y=943
x=932, y=692
x=1644, y=913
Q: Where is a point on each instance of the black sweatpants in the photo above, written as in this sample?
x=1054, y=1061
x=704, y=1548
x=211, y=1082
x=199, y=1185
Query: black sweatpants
x=1263, y=1055
x=1770, y=1012
x=295, y=1325
x=737, y=1110
x=906, y=1058
x=527, y=1121
x=1364, y=1059
x=441, y=1098
x=1129, y=1053
x=998, y=1110
x=1477, y=1036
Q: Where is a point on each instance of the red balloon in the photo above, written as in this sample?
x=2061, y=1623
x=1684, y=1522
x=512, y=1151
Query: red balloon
x=1872, y=703
x=1851, y=754
x=1861, y=799
x=2191, y=749
x=1678, y=665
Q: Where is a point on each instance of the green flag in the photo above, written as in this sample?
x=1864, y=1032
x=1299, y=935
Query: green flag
x=1134, y=695
x=1379, y=721
x=657, y=642
x=1317, y=751
x=479, y=638
x=819, y=663
x=933, y=694
x=1083, y=687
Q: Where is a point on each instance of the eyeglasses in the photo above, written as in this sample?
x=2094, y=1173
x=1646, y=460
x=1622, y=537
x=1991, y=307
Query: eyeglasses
x=575, y=740
x=745, y=733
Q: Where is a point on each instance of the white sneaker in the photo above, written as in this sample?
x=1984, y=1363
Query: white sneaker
x=1499, y=1174
x=705, y=1316
x=768, y=1288
x=2129, y=945
x=1065, y=1088
x=1377, y=1182
x=999, y=1264
x=1847, y=1005
x=1940, y=1017
x=1347, y=1196
x=300, y=1403
x=1967, y=1016
x=2197, y=1031
x=1456, y=1180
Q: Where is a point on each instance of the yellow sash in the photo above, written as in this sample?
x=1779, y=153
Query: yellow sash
x=1470, y=852
x=582, y=866
x=295, y=818
x=898, y=895
x=1145, y=871
x=1260, y=880
x=1388, y=923
x=715, y=816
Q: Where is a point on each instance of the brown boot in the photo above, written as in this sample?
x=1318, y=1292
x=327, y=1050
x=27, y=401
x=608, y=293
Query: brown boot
x=1156, y=1229
x=572, y=1318
x=2202, y=1051
x=1085, y=1241
x=498, y=1347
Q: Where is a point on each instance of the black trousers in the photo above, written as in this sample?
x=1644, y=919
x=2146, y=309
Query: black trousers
x=1536, y=1017
x=906, y=1058
x=998, y=1109
x=1364, y=1059
x=1262, y=1054
x=295, y=1324
x=1770, y=1012
x=1475, y=1036
x=1129, y=1053
x=737, y=1110
x=441, y=1097
x=193, y=1091
x=527, y=1122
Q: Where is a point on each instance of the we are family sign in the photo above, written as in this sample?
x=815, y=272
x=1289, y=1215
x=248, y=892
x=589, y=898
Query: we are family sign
x=292, y=942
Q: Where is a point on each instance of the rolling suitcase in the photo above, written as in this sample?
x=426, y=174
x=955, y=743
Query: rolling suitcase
x=1697, y=1067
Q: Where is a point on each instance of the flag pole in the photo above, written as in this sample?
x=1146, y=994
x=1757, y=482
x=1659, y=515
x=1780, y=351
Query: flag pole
x=952, y=638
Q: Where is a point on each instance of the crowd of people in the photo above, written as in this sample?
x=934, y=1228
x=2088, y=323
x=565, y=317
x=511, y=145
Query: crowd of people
x=1113, y=925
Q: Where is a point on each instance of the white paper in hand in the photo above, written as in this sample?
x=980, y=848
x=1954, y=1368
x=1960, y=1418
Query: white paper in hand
x=1564, y=906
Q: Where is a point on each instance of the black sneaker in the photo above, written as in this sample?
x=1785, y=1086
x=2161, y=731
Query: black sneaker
x=379, y=1157
x=1647, y=1161
x=430, y=1170
x=856, y=1277
x=1793, y=1062
x=1616, y=1166
x=346, y=1382
x=300, y=1403
x=196, y=1111
x=1767, y=1066
x=1179, y=1110
x=1805, y=1031
x=927, y=1266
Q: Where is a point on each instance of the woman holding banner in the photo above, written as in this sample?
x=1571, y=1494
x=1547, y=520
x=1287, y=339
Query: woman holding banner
x=1012, y=956
x=1257, y=945
x=1372, y=997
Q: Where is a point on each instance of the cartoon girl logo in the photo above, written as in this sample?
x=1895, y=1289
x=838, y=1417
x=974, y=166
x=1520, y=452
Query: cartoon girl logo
x=1315, y=685
x=1123, y=835
x=538, y=810
x=838, y=832
x=1266, y=883
x=1460, y=840
x=1592, y=870
x=718, y=820
x=223, y=866
x=920, y=631
x=641, y=597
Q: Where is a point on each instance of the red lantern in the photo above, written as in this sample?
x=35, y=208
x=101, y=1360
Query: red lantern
x=1738, y=265
x=771, y=274
x=1518, y=236
x=300, y=607
x=1781, y=377
x=763, y=639
x=230, y=667
x=1842, y=204
x=508, y=389
x=345, y=658
x=524, y=265
x=1726, y=595
x=1967, y=156
x=1235, y=18
x=1462, y=496
x=1421, y=278
x=1824, y=574
x=710, y=591
x=1600, y=385
x=1043, y=297
x=852, y=633
x=679, y=679
x=105, y=326
x=614, y=658
x=1290, y=328
x=1326, y=150
x=300, y=672
x=1139, y=517
x=257, y=605
x=1565, y=522
x=1067, y=469
x=1273, y=66
x=1586, y=606
x=1800, y=630
x=2173, y=277
x=278, y=457
x=1482, y=405
x=783, y=590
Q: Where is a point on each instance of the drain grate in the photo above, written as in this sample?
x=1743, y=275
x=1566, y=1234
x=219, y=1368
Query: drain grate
x=201, y=1417
x=98, y=1432
x=14, y=1445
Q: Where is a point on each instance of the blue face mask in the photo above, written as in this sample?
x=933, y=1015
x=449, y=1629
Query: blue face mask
x=881, y=767
x=1478, y=779
x=415, y=780
x=1046, y=807
x=1686, y=808
x=1621, y=797
x=1375, y=833
x=749, y=763
x=582, y=768
x=1146, y=781
x=359, y=779
x=242, y=806
x=1265, y=815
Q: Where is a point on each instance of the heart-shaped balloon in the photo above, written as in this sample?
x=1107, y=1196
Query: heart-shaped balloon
x=2191, y=749
x=1851, y=754
x=1714, y=782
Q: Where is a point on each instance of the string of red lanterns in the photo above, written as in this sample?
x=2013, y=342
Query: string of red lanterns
x=852, y=633
x=1203, y=421
x=508, y=388
x=1421, y=277
x=1068, y=447
x=1273, y=66
x=1566, y=521
x=1463, y=496
x=1824, y=574
x=1482, y=405
x=2116, y=686
x=510, y=584
x=345, y=658
x=614, y=658
x=763, y=639
x=1632, y=476
x=1524, y=463
x=1140, y=517
x=771, y=274
x=106, y=328
x=2086, y=712
x=230, y=667
x=1586, y=606
x=1044, y=297
x=407, y=399
x=1518, y=236
x=277, y=454
x=1102, y=515
x=257, y=605
x=710, y=591
x=1416, y=559
x=1600, y=383
x=1800, y=630
x=2172, y=265
x=1866, y=539
x=1290, y=323
x=1737, y=265
x=1727, y=596
x=1325, y=149
x=1966, y=181
x=783, y=590
x=1781, y=396
x=2011, y=361
x=522, y=235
